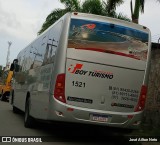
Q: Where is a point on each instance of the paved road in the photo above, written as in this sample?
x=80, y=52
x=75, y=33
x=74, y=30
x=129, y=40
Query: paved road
x=69, y=134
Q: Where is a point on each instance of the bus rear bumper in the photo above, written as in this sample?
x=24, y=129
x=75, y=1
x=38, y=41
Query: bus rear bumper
x=68, y=113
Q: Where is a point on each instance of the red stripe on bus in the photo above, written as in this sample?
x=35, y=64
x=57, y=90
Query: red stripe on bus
x=110, y=51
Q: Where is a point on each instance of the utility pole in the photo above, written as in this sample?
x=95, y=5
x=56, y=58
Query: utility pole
x=8, y=54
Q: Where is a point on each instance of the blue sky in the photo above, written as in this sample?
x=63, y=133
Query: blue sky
x=20, y=20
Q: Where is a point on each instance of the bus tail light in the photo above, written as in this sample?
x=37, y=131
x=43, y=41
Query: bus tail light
x=75, y=13
x=142, y=99
x=59, y=91
x=137, y=123
x=130, y=116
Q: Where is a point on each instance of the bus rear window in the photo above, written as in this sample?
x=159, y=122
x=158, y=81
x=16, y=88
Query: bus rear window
x=109, y=38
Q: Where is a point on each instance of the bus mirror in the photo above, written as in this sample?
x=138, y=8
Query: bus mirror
x=15, y=61
x=16, y=68
x=12, y=67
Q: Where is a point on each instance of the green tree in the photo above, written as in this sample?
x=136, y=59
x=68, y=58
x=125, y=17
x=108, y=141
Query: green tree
x=110, y=7
x=138, y=7
x=1, y=70
x=98, y=7
x=93, y=7
x=70, y=6
x=51, y=18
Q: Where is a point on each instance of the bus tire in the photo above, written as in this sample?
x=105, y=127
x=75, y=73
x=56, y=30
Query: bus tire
x=3, y=97
x=12, y=98
x=15, y=110
x=0, y=96
x=28, y=120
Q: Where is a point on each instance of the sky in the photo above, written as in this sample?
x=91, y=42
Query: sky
x=20, y=20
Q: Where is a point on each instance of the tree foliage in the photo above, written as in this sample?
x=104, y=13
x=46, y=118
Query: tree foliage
x=71, y=5
x=93, y=7
x=110, y=6
x=51, y=18
x=1, y=71
x=98, y=7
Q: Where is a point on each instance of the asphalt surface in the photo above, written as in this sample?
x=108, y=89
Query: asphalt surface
x=11, y=125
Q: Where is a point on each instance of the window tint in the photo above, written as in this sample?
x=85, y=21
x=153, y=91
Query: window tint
x=52, y=43
x=35, y=56
x=42, y=51
x=108, y=38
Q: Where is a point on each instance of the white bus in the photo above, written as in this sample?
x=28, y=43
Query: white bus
x=85, y=69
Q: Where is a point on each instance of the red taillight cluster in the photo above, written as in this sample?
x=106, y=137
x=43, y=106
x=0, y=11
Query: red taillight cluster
x=142, y=99
x=75, y=13
x=59, y=91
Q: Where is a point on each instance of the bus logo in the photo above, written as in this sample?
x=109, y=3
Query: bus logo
x=89, y=26
x=77, y=69
x=73, y=69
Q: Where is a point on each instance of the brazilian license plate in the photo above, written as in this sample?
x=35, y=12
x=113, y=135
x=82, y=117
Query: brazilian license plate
x=99, y=118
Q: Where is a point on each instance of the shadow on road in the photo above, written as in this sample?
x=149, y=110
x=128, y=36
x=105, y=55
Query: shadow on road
x=71, y=132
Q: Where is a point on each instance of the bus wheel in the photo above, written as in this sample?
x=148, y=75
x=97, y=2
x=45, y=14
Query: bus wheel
x=12, y=98
x=3, y=97
x=16, y=110
x=28, y=120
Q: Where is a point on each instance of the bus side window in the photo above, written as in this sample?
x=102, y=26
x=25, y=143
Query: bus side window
x=52, y=43
x=42, y=48
x=14, y=66
x=35, y=55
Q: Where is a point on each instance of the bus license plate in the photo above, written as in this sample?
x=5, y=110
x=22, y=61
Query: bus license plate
x=99, y=118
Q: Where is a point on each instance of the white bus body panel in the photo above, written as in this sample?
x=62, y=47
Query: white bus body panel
x=108, y=99
x=96, y=100
x=101, y=91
